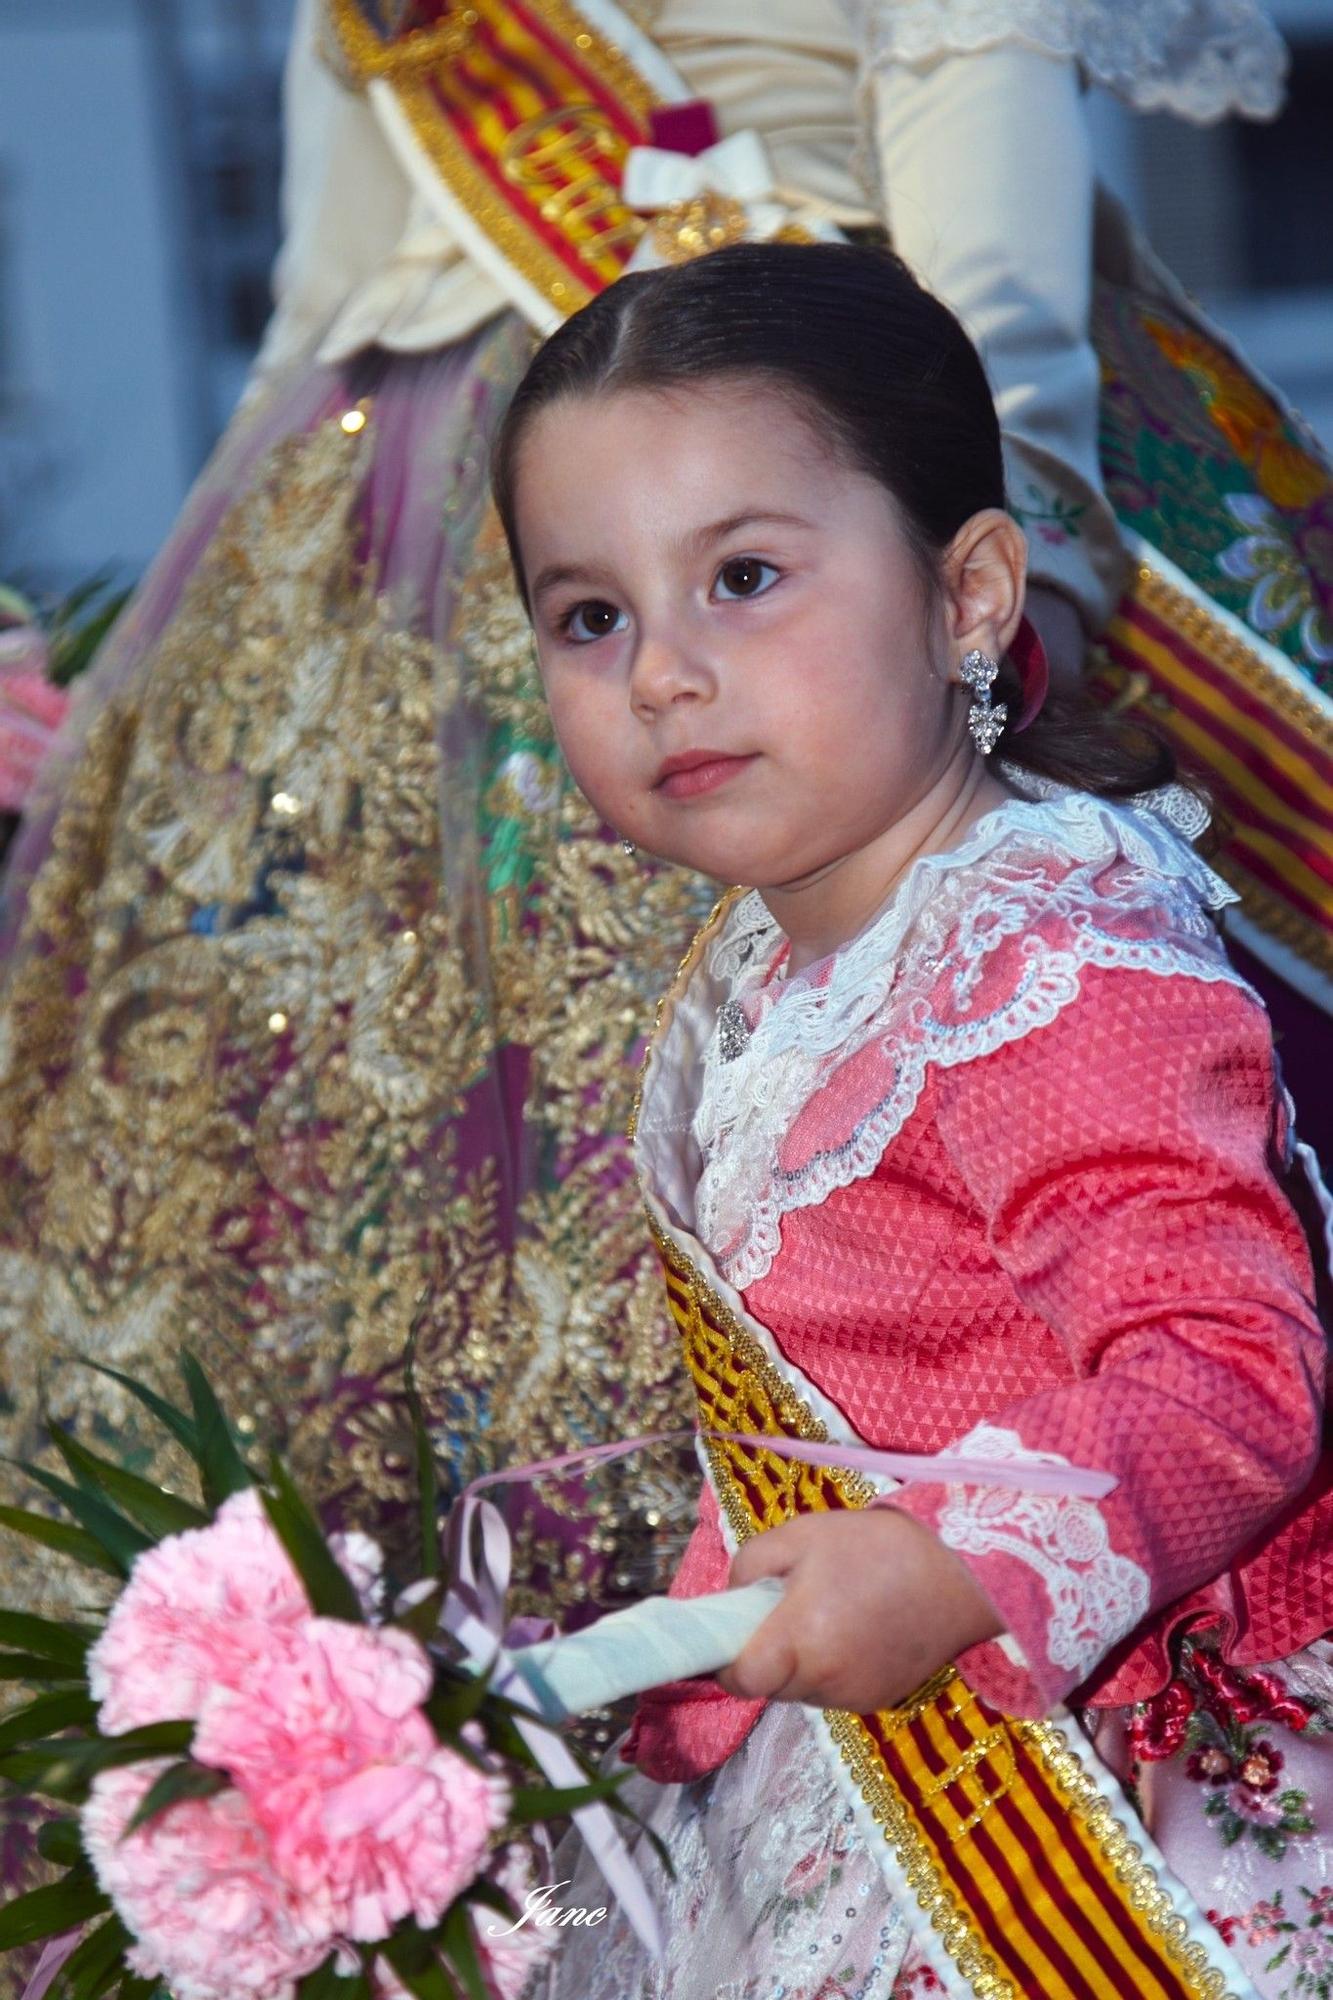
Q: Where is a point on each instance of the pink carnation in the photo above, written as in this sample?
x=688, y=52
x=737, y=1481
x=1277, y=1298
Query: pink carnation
x=198, y=1889
x=200, y=1610
x=31, y=711
x=362, y=1562
x=369, y=1817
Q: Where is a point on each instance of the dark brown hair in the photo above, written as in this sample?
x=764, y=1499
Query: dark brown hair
x=882, y=370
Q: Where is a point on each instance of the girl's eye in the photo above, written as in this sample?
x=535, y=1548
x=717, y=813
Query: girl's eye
x=745, y=576
x=594, y=619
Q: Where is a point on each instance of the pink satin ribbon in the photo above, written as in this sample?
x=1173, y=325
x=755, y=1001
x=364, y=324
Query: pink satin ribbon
x=54, y=1954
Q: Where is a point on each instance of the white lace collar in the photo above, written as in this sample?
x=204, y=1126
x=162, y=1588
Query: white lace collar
x=977, y=947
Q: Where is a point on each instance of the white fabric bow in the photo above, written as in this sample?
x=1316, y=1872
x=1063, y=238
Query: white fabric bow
x=737, y=167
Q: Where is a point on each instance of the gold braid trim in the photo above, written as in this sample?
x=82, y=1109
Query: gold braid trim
x=758, y=1371
x=703, y=936
x=1203, y=628
x=922, y=1872
x=615, y=68
x=1124, y=1859
x=366, y=54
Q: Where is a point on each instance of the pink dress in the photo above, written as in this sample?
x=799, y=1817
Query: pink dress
x=1016, y=1169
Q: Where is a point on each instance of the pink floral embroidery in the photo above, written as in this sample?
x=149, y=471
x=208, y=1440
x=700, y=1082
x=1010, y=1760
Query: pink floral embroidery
x=916, y=1977
x=1308, y=1950
x=1264, y=1923
x=810, y=1872
x=1216, y=1713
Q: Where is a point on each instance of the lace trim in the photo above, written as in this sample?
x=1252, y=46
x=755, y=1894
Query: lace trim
x=978, y=948
x=1096, y=1595
x=1199, y=58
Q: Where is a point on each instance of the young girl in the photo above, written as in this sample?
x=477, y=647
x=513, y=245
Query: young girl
x=958, y=1131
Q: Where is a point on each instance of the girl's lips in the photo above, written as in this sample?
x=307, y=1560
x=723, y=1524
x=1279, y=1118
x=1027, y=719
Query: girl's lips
x=689, y=781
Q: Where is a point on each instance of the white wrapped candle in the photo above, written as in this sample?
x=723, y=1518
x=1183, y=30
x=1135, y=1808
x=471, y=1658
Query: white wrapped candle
x=661, y=1639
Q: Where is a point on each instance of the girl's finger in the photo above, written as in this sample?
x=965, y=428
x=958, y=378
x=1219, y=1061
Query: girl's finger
x=766, y=1666
x=772, y=1554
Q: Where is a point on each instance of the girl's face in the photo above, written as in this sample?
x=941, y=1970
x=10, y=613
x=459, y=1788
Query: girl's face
x=745, y=671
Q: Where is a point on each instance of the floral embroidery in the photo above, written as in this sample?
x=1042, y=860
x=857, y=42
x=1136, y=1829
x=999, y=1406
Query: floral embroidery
x=1243, y=1794
x=1186, y=430
x=1224, y=1720
x=296, y=941
x=1253, y=424
x=1308, y=1951
x=914, y=1979
x=1263, y=1925
x=1049, y=515
x=807, y=1914
x=1273, y=557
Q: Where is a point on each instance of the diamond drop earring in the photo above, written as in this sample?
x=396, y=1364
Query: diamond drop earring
x=628, y=847
x=985, y=718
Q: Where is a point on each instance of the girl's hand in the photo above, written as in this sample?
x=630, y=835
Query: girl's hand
x=874, y=1605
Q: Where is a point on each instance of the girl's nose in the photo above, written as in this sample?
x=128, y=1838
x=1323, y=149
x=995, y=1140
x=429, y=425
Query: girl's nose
x=666, y=670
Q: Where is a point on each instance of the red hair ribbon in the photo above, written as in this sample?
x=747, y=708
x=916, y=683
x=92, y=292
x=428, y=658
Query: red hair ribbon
x=1034, y=672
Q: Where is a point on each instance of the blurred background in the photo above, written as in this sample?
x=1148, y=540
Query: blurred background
x=139, y=166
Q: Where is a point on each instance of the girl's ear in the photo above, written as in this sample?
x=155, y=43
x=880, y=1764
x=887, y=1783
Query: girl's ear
x=984, y=578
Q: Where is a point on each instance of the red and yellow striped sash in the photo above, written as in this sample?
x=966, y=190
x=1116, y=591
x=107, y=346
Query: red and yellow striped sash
x=1263, y=743
x=1024, y=1871
x=527, y=113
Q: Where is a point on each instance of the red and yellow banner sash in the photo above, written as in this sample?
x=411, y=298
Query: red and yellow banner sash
x=1262, y=739
x=526, y=109
x=1029, y=1880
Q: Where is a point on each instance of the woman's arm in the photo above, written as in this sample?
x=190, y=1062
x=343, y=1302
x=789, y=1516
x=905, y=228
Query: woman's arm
x=344, y=198
x=987, y=176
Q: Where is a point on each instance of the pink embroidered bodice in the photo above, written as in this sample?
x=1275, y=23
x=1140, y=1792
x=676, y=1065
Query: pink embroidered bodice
x=1044, y=1225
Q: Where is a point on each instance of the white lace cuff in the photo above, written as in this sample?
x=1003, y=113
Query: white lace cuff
x=1086, y=1596
x=1199, y=58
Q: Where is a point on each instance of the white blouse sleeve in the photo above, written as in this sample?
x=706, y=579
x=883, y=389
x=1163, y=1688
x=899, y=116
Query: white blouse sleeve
x=1199, y=58
x=345, y=199
x=969, y=150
